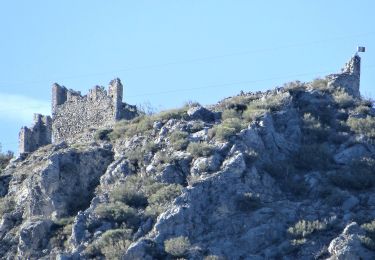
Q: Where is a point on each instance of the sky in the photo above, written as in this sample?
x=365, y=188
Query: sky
x=169, y=52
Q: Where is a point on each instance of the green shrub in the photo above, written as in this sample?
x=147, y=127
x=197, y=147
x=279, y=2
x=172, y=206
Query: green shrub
x=7, y=204
x=102, y=134
x=137, y=155
x=369, y=240
x=61, y=230
x=304, y=228
x=179, y=113
x=177, y=246
x=252, y=113
x=230, y=113
x=312, y=157
x=129, y=194
x=248, y=202
x=321, y=85
x=118, y=212
x=160, y=199
x=369, y=228
x=129, y=128
x=361, y=109
x=227, y=129
x=5, y=158
x=196, y=126
x=112, y=244
x=365, y=126
x=343, y=99
x=179, y=140
x=139, y=192
x=359, y=175
x=200, y=149
x=313, y=129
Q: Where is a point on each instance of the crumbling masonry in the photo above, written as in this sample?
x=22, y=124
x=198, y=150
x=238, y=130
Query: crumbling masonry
x=73, y=113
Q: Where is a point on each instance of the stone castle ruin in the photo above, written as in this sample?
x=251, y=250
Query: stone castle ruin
x=73, y=113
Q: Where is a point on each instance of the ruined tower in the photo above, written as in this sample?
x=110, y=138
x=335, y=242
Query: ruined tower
x=59, y=96
x=349, y=78
x=39, y=134
x=115, y=91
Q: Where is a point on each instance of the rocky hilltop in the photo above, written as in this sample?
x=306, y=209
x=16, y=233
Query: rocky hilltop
x=283, y=174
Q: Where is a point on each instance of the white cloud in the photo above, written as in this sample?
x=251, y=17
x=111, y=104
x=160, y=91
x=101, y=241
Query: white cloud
x=21, y=108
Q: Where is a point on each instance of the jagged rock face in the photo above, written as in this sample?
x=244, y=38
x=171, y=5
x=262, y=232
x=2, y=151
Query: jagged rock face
x=62, y=183
x=50, y=184
x=276, y=175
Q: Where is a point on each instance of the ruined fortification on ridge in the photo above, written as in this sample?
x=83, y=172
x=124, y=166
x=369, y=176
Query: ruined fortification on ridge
x=73, y=113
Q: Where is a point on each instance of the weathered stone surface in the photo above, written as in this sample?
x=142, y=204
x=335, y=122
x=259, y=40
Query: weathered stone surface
x=346, y=155
x=348, y=245
x=33, y=238
x=201, y=113
x=349, y=79
x=240, y=202
x=73, y=113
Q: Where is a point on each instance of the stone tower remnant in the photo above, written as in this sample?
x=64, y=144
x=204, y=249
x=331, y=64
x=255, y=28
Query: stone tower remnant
x=38, y=135
x=73, y=113
x=349, y=78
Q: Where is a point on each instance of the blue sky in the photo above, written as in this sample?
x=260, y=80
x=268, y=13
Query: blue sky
x=167, y=52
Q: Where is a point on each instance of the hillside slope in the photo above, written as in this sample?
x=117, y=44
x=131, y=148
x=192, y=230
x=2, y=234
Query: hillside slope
x=284, y=174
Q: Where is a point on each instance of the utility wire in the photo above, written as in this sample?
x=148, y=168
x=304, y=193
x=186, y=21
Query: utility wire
x=208, y=86
x=194, y=60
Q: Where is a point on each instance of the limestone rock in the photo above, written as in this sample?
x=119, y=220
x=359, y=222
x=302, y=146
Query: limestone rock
x=33, y=238
x=348, y=246
x=201, y=113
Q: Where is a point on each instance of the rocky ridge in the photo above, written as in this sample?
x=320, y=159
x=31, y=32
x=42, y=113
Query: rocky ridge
x=282, y=174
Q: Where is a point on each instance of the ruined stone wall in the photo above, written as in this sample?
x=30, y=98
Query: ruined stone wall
x=349, y=78
x=73, y=113
x=30, y=139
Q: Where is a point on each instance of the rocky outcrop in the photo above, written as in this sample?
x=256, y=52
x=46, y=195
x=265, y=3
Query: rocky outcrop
x=279, y=174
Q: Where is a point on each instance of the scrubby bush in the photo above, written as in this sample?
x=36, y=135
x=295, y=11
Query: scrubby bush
x=361, y=109
x=230, y=113
x=136, y=156
x=359, y=175
x=179, y=140
x=102, y=134
x=112, y=244
x=179, y=113
x=364, y=126
x=7, y=205
x=312, y=157
x=321, y=85
x=129, y=128
x=200, y=149
x=118, y=212
x=5, y=158
x=248, y=202
x=177, y=246
x=160, y=199
x=130, y=194
x=314, y=129
x=227, y=129
x=252, y=113
x=369, y=240
x=343, y=99
x=304, y=228
x=60, y=232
